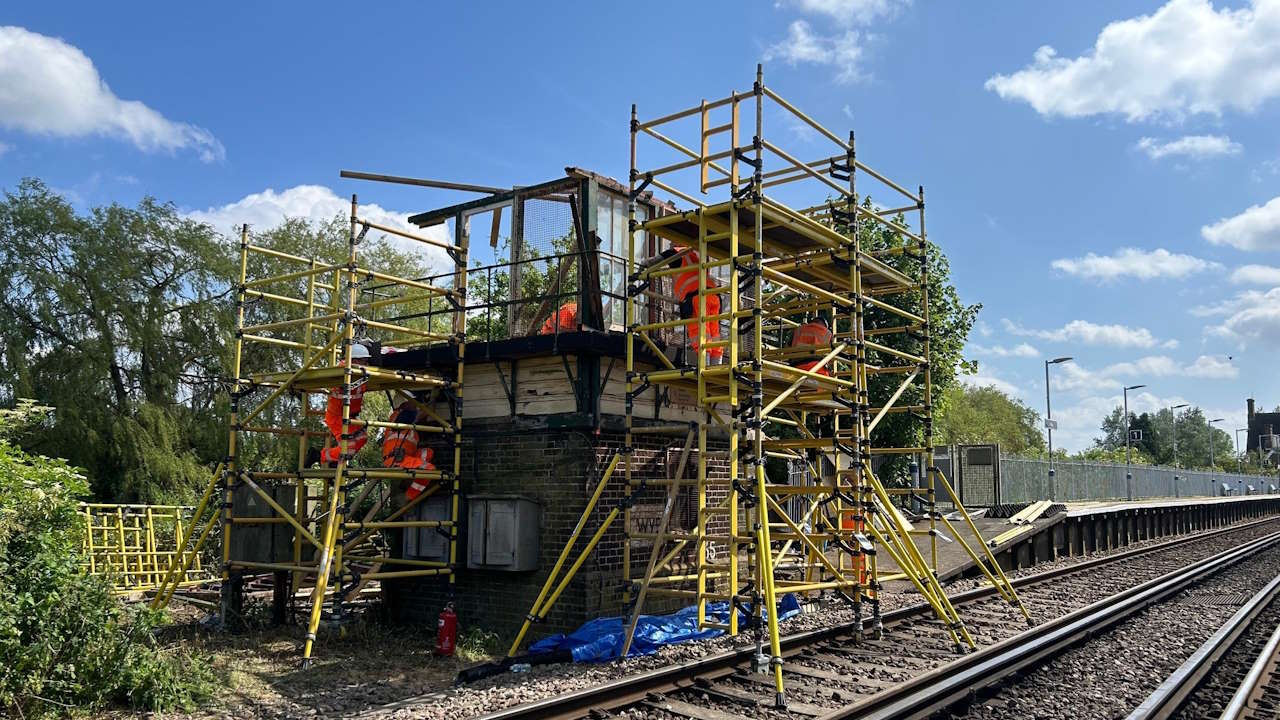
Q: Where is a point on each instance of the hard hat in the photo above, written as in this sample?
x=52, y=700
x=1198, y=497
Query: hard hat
x=359, y=352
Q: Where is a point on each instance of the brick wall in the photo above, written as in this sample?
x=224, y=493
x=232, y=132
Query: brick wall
x=556, y=463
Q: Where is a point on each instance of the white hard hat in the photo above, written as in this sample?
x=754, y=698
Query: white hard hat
x=359, y=352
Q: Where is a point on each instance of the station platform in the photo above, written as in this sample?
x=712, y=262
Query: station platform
x=1077, y=528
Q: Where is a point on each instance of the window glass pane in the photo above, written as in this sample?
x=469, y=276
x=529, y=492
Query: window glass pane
x=620, y=228
x=604, y=227
x=642, y=214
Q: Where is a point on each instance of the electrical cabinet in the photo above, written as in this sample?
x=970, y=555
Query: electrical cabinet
x=503, y=532
x=429, y=543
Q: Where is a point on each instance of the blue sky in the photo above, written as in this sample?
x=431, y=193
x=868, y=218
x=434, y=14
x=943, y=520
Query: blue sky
x=1105, y=176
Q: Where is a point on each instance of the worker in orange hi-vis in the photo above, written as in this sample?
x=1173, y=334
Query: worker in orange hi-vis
x=401, y=449
x=333, y=412
x=815, y=333
x=564, y=319
x=420, y=461
x=685, y=288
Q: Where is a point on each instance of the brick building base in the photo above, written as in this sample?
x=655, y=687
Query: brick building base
x=557, y=461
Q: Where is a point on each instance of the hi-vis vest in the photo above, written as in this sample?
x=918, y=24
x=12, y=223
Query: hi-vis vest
x=812, y=333
x=687, y=282
x=333, y=408
x=399, y=444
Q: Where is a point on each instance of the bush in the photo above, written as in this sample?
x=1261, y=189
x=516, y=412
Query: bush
x=65, y=640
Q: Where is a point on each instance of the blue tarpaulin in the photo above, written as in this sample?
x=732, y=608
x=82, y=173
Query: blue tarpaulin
x=601, y=639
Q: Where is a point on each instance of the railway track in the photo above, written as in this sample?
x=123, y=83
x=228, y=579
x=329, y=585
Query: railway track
x=828, y=671
x=1232, y=675
x=1120, y=640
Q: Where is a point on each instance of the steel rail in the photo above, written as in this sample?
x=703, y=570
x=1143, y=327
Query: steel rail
x=1165, y=700
x=1254, y=682
x=630, y=689
x=951, y=684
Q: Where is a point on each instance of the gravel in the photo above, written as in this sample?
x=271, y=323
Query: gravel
x=1114, y=672
x=546, y=681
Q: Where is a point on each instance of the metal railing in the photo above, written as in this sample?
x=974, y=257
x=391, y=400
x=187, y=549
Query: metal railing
x=1027, y=480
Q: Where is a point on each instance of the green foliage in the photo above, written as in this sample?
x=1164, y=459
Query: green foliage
x=122, y=319
x=1190, y=428
x=109, y=317
x=987, y=415
x=1113, y=455
x=950, y=322
x=476, y=643
x=65, y=641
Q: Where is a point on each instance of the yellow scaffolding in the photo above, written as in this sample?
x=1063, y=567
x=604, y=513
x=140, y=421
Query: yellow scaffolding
x=769, y=269
x=336, y=514
x=134, y=545
x=773, y=268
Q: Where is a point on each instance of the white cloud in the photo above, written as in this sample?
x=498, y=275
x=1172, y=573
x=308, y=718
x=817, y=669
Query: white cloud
x=49, y=87
x=1251, y=317
x=1022, y=350
x=1196, y=147
x=269, y=208
x=980, y=381
x=4, y=148
x=1242, y=300
x=1205, y=367
x=1083, y=331
x=850, y=12
x=843, y=50
x=848, y=111
x=1257, y=228
x=1131, y=262
x=1072, y=377
x=1256, y=275
x=1215, y=367
x=1185, y=58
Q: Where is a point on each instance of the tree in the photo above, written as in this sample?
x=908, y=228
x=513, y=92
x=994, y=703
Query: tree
x=950, y=321
x=1158, y=434
x=109, y=317
x=987, y=415
x=122, y=318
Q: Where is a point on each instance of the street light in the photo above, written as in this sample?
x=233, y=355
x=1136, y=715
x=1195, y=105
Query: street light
x=1048, y=417
x=1173, y=409
x=1128, y=471
x=1211, y=422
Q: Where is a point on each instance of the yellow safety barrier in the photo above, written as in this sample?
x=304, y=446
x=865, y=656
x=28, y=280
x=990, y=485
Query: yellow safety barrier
x=134, y=545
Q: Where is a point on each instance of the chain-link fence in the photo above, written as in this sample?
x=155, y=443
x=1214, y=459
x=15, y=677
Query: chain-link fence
x=1027, y=480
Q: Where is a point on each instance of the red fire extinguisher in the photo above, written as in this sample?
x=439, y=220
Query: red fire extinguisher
x=447, y=631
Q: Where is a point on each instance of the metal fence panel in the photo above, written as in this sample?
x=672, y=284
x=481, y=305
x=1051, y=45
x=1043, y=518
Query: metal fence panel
x=1027, y=480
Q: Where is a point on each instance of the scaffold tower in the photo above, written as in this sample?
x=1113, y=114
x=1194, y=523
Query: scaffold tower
x=765, y=272
x=299, y=321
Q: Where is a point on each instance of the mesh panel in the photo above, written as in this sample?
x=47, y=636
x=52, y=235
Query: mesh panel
x=545, y=273
x=1026, y=480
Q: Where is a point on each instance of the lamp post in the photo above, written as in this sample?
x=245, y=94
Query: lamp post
x=1048, y=418
x=1128, y=471
x=1210, y=423
x=1173, y=409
